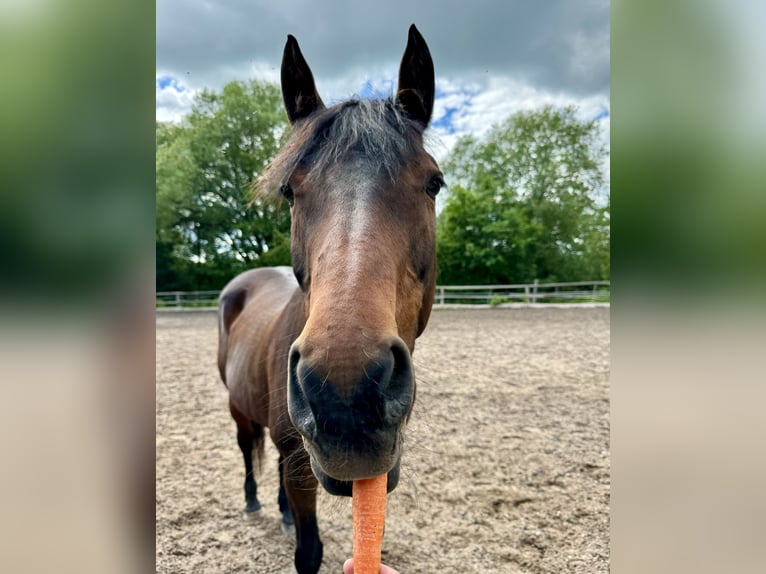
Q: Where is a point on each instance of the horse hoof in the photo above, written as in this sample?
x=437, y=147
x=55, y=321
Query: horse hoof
x=288, y=529
x=253, y=508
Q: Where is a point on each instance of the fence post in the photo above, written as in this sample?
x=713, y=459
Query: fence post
x=526, y=293
x=441, y=295
x=534, y=297
x=178, y=298
x=593, y=295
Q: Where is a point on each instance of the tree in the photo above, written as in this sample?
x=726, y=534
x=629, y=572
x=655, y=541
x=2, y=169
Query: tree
x=207, y=230
x=523, y=203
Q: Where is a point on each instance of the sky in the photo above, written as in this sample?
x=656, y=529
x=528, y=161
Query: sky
x=492, y=58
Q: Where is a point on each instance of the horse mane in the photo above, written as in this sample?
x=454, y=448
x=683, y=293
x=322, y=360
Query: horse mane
x=378, y=132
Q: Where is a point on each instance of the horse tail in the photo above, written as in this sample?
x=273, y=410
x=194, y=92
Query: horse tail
x=230, y=305
x=259, y=440
x=253, y=434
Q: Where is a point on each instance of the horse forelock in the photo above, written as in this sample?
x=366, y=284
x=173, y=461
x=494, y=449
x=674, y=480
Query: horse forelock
x=376, y=132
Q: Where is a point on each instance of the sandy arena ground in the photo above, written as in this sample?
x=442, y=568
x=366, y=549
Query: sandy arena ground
x=506, y=467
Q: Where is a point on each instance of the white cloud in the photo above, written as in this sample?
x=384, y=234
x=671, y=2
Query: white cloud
x=479, y=107
x=460, y=108
x=173, y=98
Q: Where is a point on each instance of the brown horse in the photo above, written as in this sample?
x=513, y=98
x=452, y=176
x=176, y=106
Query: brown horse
x=320, y=353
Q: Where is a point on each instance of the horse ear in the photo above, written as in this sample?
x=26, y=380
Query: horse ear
x=298, y=90
x=416, y=89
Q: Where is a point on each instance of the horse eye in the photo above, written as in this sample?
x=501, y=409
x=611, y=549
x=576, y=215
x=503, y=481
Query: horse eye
x=434, y=185
x=287, y=192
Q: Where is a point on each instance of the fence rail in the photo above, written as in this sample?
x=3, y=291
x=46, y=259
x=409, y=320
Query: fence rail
x=177, y=299
x=524, y=293
x=577, y=291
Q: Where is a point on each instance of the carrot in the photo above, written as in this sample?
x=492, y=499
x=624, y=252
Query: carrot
x=368, y=508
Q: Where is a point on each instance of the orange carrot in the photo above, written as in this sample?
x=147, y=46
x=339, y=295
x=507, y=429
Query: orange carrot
x=369, y=514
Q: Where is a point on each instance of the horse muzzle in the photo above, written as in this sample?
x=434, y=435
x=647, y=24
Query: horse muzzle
x=351, y=420
x=344, y=487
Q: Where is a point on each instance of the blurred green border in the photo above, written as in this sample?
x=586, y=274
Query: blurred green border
x=687, y=171
x=77, y=168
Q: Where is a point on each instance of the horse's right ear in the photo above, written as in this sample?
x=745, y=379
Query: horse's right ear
x=298, y=90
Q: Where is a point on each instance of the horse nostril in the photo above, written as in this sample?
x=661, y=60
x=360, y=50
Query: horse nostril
x=298, y=404
x=399, y=389
x=295, y=356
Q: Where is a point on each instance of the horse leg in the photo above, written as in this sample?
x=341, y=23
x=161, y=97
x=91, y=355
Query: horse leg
x=301, y=493
x=288, y=524
x=249, y=438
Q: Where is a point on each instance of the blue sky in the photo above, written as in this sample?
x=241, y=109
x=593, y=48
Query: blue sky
x=169, y=82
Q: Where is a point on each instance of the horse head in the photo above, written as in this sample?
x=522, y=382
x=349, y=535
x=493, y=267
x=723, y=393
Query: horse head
x=361, y=190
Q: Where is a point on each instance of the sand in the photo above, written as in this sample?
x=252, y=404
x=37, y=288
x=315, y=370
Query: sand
x=506, y=465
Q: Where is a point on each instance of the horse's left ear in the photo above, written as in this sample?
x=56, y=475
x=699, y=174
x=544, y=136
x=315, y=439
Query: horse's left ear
x=298, y=89
x=416, y=89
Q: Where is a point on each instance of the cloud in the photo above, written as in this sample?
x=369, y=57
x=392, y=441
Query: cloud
x=173, y=98
x=379, y=88
x=165, y=82
x=559, y=45
x=451, y=98
x=602, y=114
x=491, y=58
x=463, y=108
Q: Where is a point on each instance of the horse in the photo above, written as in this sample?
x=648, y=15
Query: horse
x=320, y=353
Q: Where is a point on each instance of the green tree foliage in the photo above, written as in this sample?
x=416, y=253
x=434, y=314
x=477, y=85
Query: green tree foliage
x=524, y=203
x=206, y=231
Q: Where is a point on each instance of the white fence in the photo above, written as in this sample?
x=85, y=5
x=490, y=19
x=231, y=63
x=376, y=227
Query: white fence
x=577, y=291
x=524, y=293
x=178, y=299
